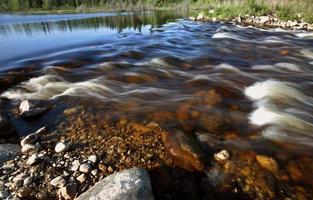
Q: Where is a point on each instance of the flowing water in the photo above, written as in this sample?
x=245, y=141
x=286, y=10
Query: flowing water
x=209, y=77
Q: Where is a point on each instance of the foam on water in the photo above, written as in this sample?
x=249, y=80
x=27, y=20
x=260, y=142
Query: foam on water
x=279, y=67
x=272, y=89
x=268, y=112
x=228, y=67
x=51, y=86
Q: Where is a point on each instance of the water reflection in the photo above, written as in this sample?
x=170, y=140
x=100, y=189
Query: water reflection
x=118, y=23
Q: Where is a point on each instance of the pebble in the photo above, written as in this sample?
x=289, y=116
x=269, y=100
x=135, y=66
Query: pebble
x=3, y=194
x=28, y=181
x=222, y=155
x=33, y=159
x=24, y=192
x=68, y=192
x=93, y=158
x=58, y=182
x=8, y=166
x=94, y=172
x=27, y=148
x=61, y=147
x=82, y=178
x=75, y=165
x=20, y=177
x=85, y=168
x=110, y=169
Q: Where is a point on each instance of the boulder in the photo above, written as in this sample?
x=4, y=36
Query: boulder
x=184, y=149
x=131, y=184
x=6, y=127
x=31, y=110
x=9, y=152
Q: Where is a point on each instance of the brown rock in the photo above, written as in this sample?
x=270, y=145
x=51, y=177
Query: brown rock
x=68, y=192
x=184, y=149
x=267, y=163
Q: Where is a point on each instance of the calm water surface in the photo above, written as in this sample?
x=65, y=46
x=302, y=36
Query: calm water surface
x=207, y=77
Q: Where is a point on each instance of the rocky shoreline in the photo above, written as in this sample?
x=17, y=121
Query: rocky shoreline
x=268, y=21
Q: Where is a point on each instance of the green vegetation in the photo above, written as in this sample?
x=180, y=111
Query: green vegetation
x=86, y=5
x=284, y=9
x=224, y=9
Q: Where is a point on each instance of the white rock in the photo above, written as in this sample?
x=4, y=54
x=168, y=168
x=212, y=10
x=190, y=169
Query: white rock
x=133, y=184
x=93, y=158
x=27, y=148
x=33, y=159
x=75, y=165
x=24, y=106
x=58, y=182
x=61, y=147
x=222, y=155
x=94, y=172
x=85, y=168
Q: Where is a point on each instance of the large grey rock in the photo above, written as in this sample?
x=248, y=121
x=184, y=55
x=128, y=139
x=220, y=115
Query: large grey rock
x=130, y=184
x=9, y=152
x=6, y=127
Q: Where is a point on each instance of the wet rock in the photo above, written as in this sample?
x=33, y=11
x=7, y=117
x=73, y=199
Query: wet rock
x=132, y=184
x=68, y=192
x=61, y=147
x=184, y=149
x=31, y=110
x=6, y=127
x=9, y=152
x=30, y=139
x=85, y=168
x=222, y=156
x=58, y=182
x=267, y=163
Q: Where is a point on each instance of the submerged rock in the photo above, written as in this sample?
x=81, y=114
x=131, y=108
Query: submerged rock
x=6, y=127
x=131, y=184
x=267, y=163
x=184, y=149
x=9, y=152
x=31, y=110
x=221, y=156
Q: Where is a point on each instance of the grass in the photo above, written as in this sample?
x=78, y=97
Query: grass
x=284, y=9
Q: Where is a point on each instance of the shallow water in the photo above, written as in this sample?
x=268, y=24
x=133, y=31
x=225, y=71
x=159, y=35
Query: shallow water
x=213, y=77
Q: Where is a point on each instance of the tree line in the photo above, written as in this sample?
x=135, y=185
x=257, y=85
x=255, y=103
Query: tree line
x=17, y=5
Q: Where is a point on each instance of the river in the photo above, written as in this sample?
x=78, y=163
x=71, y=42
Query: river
x=241, y=88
